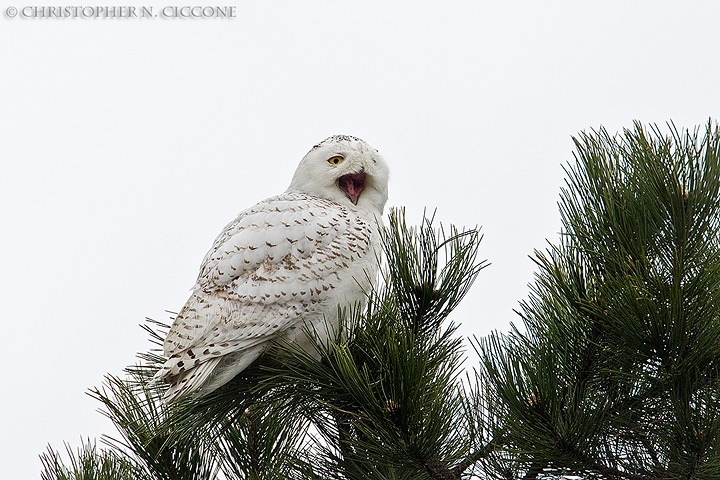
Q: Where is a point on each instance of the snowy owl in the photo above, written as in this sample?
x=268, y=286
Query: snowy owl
x=281, y=267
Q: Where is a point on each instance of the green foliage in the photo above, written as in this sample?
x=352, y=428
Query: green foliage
x=617, y=370
x=386, y=401
x=86, y=464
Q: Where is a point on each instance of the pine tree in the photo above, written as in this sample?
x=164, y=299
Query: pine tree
x=613, y=374
x=616, y=371
x=386, y=401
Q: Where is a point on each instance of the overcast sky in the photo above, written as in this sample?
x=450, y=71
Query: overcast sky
x=126, y=144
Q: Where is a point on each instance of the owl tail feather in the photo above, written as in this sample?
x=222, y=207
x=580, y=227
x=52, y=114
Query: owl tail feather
x=211, y=374
x=190, y=381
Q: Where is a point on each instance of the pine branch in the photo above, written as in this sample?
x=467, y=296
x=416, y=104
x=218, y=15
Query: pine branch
x=619, y=343
x=86, y=463
x=474, y=457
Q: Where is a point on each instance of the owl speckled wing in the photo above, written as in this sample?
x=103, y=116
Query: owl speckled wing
x=272, y=268
x=286, y=263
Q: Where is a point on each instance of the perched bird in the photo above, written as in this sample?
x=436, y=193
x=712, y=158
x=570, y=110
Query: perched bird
x=280, y=268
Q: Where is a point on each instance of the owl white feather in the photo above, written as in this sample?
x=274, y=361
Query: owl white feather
x=281, y=267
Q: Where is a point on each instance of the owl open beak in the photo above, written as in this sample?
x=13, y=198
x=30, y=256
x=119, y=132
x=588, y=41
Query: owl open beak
x=352, y=184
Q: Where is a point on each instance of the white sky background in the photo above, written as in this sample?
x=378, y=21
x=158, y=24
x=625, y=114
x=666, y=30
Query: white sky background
x=126, y=145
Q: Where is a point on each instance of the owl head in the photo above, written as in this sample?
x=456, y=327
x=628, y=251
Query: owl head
x=345, y=170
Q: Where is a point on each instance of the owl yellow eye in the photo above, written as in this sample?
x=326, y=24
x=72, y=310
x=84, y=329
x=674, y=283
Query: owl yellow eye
x=336, y=160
